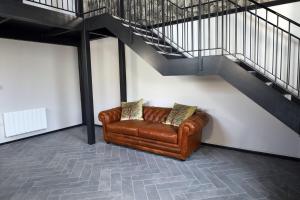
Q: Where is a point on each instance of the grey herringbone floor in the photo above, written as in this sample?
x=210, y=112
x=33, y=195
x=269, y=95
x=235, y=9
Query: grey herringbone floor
x=62, y=166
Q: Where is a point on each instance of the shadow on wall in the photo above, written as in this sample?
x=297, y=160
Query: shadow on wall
x=207, y=132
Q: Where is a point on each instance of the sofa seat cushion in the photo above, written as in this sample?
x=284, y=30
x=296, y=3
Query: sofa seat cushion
x=160, y=132
x=127, y=127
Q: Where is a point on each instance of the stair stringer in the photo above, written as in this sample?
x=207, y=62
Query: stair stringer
x=265, y=96
x=271, y=100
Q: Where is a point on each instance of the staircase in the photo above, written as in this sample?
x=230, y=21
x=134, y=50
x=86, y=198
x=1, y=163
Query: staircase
x=249, y=45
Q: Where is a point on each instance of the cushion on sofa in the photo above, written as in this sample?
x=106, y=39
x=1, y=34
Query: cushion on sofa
x=132, y=110
x=128, y=127
x=179, y=113
x=160, y=132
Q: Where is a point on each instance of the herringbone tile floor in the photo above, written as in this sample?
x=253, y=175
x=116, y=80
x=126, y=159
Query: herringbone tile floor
x=62, y=166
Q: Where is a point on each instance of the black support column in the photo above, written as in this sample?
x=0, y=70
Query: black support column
x=81, y=81
x=85, y=75
x=86, y=84
x=122, y=60
x=122, y=71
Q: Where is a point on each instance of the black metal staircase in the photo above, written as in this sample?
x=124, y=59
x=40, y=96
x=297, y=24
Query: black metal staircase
x=252, y=47
x=242, y=41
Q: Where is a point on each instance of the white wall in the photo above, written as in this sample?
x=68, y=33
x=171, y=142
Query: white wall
x=105, y=70
x=34, y=75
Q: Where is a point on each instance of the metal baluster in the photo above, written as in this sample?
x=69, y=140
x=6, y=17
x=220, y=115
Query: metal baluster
x=67, y=4
x=229, y=32
x=183, y=28
x=281, y=52
x=171, y=26
x=130, y=21
x=245, y=31
x=199, y=32
x=277, y=43
x=217, y=29
x=257, y=52
x=182, y=19
x=168, y=20
x=209, y=21
x=177, y=15
x=255, y=35
x=163, y=22
x=273, y=50
x=134, y=14
x=227, y=25
x=141, y=13
x=289, y=57
x=157, y=17
x=152, y=18
x=145, y=14
x=192, y=27
x=250, y=36
x=298, y=80
x=222, y=27
x=235, y=47
x=204, y=30
x=266, y=42
x=187, y=31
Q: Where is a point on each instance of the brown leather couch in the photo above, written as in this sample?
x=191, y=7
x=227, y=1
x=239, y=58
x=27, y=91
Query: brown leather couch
x=151, y=134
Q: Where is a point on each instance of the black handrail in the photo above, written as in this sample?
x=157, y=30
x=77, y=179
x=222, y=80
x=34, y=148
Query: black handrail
x=59, y=5
x=274, y=12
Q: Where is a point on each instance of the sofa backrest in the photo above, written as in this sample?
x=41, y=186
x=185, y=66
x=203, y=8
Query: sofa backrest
x=156, y=114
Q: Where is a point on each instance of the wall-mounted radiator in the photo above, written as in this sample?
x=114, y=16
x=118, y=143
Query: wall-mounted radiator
x=16, y=123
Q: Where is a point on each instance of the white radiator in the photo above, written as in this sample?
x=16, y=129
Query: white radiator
x=16, y=123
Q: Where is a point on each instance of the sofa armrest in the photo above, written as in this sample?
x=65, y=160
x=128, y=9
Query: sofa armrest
x=193, y=124
x=111, y=115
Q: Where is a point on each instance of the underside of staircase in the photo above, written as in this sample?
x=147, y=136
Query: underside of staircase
x=160, y=52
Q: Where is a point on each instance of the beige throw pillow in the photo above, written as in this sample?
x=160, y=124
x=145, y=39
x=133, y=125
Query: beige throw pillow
x=132, y=110
x=179, y=113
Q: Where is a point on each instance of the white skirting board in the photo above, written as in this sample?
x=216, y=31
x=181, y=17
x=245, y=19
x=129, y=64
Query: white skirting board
x=26, y=121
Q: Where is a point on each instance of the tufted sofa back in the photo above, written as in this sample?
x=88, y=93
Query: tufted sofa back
x=155, y=114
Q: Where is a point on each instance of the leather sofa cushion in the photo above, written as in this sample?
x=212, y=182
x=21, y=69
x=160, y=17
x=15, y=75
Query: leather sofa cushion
x=127, y=127
x=160, y=132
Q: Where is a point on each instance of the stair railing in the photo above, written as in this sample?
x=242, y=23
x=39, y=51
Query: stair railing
x=245, y=30
x=69, y=6
x=267, y=41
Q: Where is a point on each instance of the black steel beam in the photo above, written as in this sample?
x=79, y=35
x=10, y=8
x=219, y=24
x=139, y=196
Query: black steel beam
x=87, y=85
x=122, y=59
x=16, y=9
x=122, y=71
x=278, y=2
x=8, y=34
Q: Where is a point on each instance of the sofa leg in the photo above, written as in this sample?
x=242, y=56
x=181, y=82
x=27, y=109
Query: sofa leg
x=106, y=141
x=182, y=158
